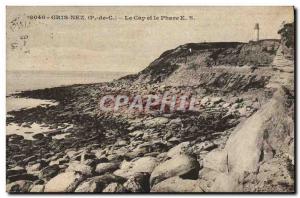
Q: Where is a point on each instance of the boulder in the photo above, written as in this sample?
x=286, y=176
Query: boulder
x=204, y=100
x=38, y=136
x=181, y=148
x=114, y=188
x=49, y=172
x=35, y=168
x=226, y=183
x=24, y=176
x=79, y=167
x=139, y=182
x=144, y=164
x=15, y=171
x=37, y=188
x=121, y=143
x=97, y=184
x=107, y=167
x=19, y=186
x=216, y=160
x=203, y=146
x=64, y=182
x=177, y=185
x=181, y=165
x=216, y=100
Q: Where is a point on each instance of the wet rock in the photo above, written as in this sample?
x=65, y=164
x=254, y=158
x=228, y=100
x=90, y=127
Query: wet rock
x=97, y=184
x=18, y=157
x=15, y=171
x=38, y=136
x=144, y=164
x=24, y=176
x=174, y=140
x=114, y=188
x=14, y=138
x=177, y=185
x=64, y=182
x=139, y=182
x=107, y=167
x=181, y=165
x=28, y=159
x=18, y=186
x=49, y=172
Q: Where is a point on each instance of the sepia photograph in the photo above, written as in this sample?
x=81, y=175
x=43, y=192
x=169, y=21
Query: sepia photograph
x=150, y=99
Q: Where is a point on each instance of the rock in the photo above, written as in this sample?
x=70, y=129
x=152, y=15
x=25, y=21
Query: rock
x=24, y=176
x=18, y=186
x=78, y=167
x=64, y=182
x=181, y=148
x=180, y=165
x=156, y=122
x=71, y=153
x=97, y=184
x=216, y=100
x=121, y=143
x=107, y=167
x=144, y=164
x=49, y=172
x=136, y=134
x=38, y=136
x=216, y=160
x=14, y=138
x=225, y=105
x=28, y=159
x=34, y=168
x=204, y=101
x=174, y=140
x=177, y=185
x=114, y=188
x=139, y=182
x=99, y=153
x=176, y=121
x=37, y=188
x=235, y=106
x=226, y=183
x=203, y=146
x=243, y=111
x=15, y=171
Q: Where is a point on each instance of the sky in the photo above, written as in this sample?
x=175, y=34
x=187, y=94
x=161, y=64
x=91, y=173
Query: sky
x=125, y=45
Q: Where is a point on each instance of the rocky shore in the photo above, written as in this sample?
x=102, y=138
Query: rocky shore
x=192, y=151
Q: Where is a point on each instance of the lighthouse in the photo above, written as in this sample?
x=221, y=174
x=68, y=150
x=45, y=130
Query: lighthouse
x=256, y=32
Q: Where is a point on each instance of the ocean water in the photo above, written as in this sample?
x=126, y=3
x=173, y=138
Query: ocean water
x=17, y=81
x=30, y=80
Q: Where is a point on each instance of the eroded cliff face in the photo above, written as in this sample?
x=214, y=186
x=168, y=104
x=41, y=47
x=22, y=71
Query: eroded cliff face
x=226, y=66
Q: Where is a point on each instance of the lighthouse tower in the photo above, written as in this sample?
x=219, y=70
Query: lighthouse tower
x=256, y=32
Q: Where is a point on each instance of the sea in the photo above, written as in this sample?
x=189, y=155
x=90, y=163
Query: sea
x=17, y=81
